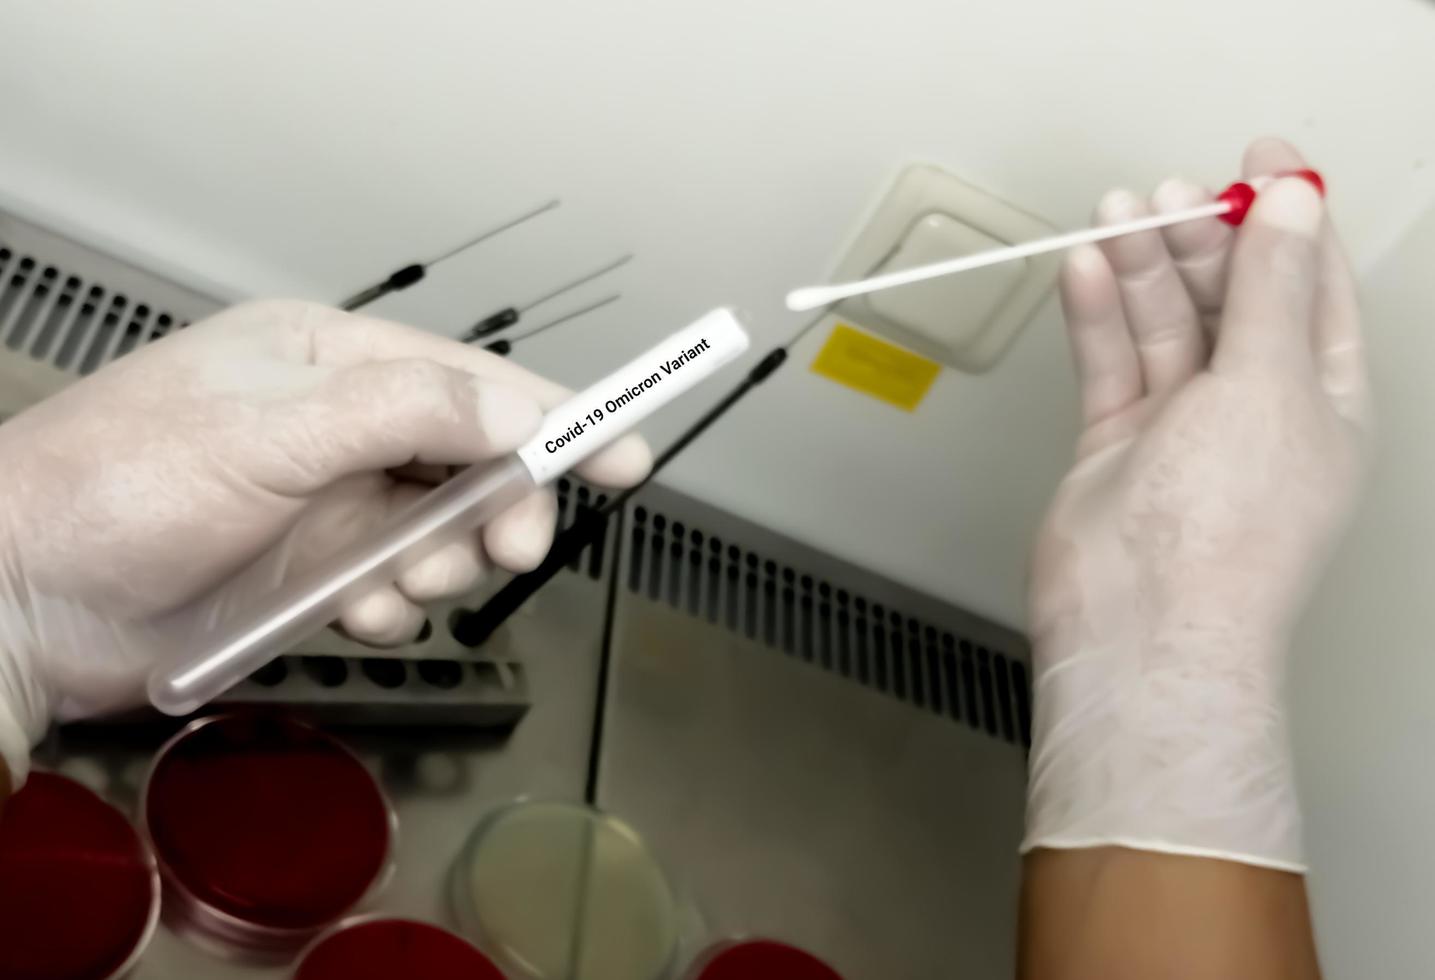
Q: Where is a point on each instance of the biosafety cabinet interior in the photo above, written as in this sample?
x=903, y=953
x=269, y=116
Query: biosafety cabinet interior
x=811, y=749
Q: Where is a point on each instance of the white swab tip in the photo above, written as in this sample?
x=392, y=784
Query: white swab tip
x=809, y=298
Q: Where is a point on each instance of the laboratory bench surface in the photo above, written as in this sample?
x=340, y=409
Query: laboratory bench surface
x=870, y=819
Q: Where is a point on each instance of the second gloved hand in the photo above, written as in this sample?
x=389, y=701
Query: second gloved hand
x=281, y=429
x=1227, y=414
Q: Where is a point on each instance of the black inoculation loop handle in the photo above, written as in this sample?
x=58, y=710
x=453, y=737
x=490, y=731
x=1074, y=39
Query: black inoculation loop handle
x=502, y=347
x=415, y=271
x=509, y=315
x=492, y=324
x=767, y=365
x=400, y=279
x=472, y=629
x=406, y=277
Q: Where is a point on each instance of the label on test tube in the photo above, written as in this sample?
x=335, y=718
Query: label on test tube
x=604, y=411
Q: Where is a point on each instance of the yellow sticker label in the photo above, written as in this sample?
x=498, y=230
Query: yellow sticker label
x=874, y=367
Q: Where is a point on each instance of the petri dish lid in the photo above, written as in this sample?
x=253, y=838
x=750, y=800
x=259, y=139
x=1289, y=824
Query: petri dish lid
x=385, y=949
x=559, y=891
x=79, y=893
x=760, y=959
x=265, y=829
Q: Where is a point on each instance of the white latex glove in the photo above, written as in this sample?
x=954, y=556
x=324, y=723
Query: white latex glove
x=1227, y=412
x=278, y=428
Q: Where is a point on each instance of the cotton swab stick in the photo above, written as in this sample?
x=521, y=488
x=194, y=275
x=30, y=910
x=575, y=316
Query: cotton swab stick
x=1230, y=206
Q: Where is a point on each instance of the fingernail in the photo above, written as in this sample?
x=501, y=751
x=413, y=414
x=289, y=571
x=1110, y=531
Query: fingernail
x=522, y=538
x=1118, y=205
x=377, y=613
x=1291, y=204
x=1087, y=260
x=1178, y=193
x=506, y=415
x=524, y=549
x=633, y=457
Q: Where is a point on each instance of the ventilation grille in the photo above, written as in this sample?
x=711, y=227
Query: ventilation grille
x=66, y=320
x=845, y=633
x=576, y=501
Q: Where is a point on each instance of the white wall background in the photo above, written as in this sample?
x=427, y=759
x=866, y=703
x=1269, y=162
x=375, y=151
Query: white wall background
x=305, y=148
x=1365, y=682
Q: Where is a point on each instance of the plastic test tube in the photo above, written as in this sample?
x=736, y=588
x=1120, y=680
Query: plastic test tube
x=570, y=433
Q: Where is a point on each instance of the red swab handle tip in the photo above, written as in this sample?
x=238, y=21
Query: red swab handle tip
x=1314, y=178
x=1241, y=195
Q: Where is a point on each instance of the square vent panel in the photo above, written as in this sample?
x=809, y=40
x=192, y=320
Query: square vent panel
x=966, y=321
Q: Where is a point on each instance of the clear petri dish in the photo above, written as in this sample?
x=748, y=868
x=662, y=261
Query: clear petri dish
x=266, y=831
x=79, y=891
x=374, y=948
x=560, y=891
x=758, y=959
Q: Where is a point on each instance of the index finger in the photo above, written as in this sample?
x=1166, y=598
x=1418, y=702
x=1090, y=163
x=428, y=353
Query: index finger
x=338, y=339
x=1337, y=336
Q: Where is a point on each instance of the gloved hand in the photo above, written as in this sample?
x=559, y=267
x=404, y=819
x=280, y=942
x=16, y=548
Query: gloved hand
x=1227, y=417
x=280, y=428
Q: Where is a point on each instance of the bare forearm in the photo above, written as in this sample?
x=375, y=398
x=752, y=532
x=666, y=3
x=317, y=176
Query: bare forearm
x=1110, y=913
x=1163, y=828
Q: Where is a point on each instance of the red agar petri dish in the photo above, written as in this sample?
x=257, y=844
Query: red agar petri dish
x=266, y=831
x=760, y=959
x=79, y=892
x=385, y=949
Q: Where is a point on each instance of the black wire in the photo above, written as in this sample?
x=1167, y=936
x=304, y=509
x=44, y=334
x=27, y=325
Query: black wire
x=605, y=665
